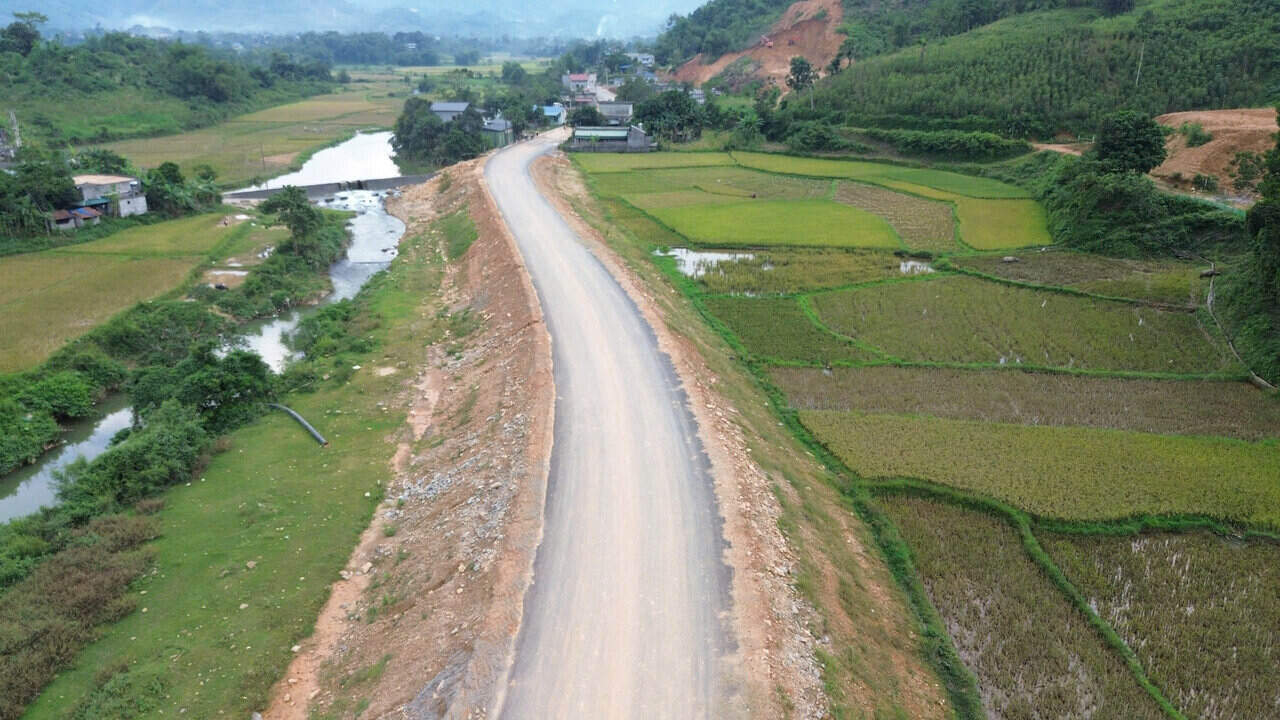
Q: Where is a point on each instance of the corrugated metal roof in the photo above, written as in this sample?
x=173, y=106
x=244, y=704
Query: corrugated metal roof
x=100, y=179
x=449, y=106
x=497, y=125
x=600, y=133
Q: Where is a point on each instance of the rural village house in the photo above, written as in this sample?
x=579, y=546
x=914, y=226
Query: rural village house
x=611, y=139
x=117, y=195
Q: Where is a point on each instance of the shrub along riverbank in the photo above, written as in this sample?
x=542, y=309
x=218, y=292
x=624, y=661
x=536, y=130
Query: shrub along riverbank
x=185, y=396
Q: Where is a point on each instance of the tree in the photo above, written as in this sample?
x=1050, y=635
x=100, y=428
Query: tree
x=513, y=73
x=672, y=115
x=1130, y=141
x=1263, y=224
x=587, y=115
x=635, y=90
x=45, y=178
x=293, y=209
x=102, y=160
x=22, y=35
x=802, y=77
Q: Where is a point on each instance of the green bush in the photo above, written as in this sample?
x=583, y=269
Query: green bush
x=1205, y=183
x=66, y=394
x=812, y=136
x=956, y=144
x=1195, y=134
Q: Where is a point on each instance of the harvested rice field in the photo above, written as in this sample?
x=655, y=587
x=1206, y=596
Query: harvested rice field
x=922, y=224
x=1179, y=407
x=1035, y=656
x=1164, y=281
x=962, y=319
x=1070, y=473
x=1202, y=613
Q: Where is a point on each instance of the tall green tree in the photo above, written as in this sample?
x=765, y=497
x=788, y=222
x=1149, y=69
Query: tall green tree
x=802, y=77
x=22, y=35
x=1130, y=141
x=1263, y=224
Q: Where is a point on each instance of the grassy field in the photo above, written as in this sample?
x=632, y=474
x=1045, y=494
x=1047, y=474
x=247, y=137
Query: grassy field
x=922, y=224
x=968, y=320
x=803, y=223
x=1071, y=473
x=1227, y=409
x=273, y=141
x=215, y=633
x=791, y=271
x=1163, y=281
x=1201, y=612
x=1034, y=655
x=777, y=329
x=50, y=297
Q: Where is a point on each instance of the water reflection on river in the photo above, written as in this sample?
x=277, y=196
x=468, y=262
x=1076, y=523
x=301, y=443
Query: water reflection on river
x=367, y=156
x=374, y=236
x=24, y=491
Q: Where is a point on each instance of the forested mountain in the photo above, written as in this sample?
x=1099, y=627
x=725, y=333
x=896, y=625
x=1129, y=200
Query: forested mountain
x=117, y=85
x=485, y=18
x=874, y=26
x=1039, y=73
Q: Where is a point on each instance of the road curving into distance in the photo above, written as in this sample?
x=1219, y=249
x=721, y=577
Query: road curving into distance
x=627, y=616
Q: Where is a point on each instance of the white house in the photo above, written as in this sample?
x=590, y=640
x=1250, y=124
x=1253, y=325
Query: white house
x=579, y=82
x=645, y=59
x=99, y=191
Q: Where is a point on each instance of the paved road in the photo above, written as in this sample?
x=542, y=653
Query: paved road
x=625, y=618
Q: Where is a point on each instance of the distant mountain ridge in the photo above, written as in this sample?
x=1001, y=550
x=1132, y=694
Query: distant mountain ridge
x=484, y=18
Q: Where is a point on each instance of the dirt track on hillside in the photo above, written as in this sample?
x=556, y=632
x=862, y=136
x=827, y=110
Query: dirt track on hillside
x=798, y=32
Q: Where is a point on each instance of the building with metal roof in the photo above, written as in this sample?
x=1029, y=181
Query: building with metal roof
x=611, y=139
x=447, y=111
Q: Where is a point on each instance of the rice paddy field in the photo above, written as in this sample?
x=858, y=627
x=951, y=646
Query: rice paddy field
x=960, y=319
x=1202, y=613
x=1024, y=431
x=1170, y=282
x=1033, y=654
x=1068, y=473
x=1174, y=407
x=50, y=297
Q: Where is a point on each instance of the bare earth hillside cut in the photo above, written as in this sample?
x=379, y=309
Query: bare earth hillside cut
x=1248, y=129
x=804, y=29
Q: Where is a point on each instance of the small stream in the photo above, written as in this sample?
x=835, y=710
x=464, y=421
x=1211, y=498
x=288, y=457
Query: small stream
x=374, y=237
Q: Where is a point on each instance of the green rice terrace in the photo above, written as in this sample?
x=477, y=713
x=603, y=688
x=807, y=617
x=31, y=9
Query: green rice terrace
x=1062, y=458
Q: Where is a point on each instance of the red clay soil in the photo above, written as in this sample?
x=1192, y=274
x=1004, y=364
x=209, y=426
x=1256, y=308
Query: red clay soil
x=1233, y=131
x=797, y=32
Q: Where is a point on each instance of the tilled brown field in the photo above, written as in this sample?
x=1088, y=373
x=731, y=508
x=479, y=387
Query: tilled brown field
x=922, y=224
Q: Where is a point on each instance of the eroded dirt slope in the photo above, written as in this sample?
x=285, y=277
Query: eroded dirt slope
x=1250, y=129
x=422, y=620
x=807, y=28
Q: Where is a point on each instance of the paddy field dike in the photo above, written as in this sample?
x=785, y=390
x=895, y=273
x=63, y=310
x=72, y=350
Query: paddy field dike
x=1058, y=454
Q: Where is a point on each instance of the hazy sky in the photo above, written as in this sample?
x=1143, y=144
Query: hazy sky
x=578, y=18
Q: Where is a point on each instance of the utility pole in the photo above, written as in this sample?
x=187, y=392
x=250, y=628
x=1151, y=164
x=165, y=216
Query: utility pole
x=1141, y=54
x=17, y=138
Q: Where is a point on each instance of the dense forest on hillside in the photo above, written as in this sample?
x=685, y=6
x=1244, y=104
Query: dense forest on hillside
x=1042, y=73
x=117, y=85
x=872, y=26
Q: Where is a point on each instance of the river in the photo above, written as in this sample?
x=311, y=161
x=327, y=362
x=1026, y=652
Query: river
x=374, y=237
